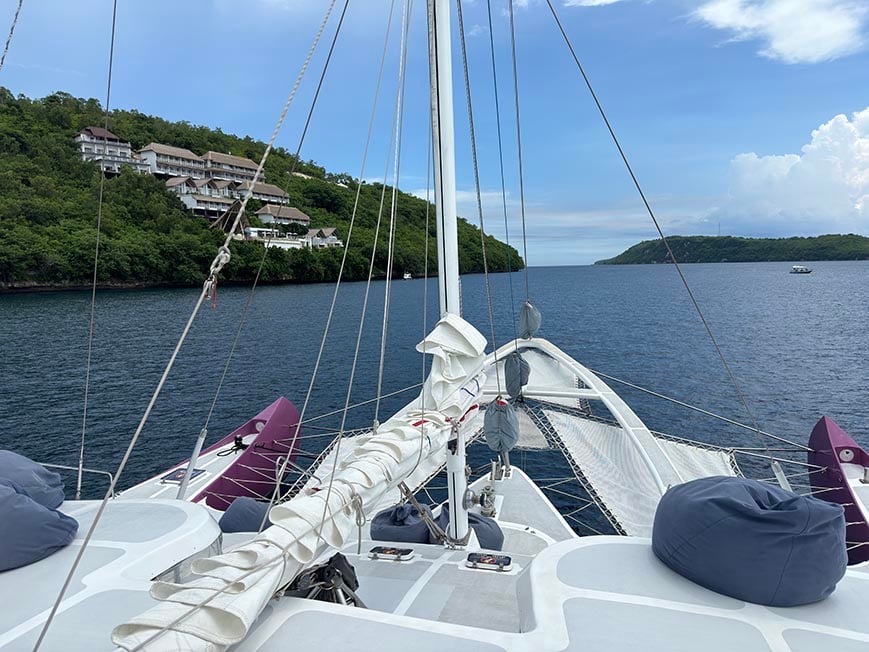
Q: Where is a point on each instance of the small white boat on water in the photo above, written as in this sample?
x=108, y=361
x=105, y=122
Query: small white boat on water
x=407, y=276
x=801, y=269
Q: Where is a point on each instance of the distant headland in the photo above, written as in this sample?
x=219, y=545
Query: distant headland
x=728, y=249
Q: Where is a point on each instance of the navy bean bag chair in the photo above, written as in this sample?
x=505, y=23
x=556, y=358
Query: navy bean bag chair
x=41, y=485
x=488, y=531
x=751, y=541
x=244, y=514
x=401, y=523
x=30, y=531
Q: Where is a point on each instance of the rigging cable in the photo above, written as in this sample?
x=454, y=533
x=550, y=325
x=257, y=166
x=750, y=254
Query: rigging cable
x=700, y=410
x=87, y=373
x=217, y=264
x=347, y=407
x=477, y=188
x=263, y=257
x=648, y=206
x=501, y=166
x=397, y=123
x=390, y=256
x=519, y=145
x=330, y=315
x=12, y=31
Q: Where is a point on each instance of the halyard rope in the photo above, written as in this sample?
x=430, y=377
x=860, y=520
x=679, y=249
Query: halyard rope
x=405, y=27
x=275, y=497
x=12, y=31
x=478, y=194
x=87, y=372
x=519, y=145
x=218, y=263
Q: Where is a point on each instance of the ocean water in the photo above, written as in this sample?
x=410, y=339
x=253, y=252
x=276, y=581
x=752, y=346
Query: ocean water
x=796, y=344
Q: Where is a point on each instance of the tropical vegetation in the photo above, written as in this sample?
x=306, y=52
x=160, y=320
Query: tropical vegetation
x=728, y=249
x=49, y=208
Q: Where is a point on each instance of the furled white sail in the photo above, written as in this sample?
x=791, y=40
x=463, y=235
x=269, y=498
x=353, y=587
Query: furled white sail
x=218, y=608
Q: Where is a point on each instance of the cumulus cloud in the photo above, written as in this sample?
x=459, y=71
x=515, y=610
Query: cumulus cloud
x=825, y=188
x=792, y=31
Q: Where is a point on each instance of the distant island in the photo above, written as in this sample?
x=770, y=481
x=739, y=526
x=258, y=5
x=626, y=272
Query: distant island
x=167, y=184
x=728, y=249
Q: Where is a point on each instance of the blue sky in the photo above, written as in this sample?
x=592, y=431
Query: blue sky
x=751, y=116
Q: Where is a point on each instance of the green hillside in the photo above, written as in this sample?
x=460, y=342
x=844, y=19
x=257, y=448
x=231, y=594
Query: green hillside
x=49, y=199
x=727, y=249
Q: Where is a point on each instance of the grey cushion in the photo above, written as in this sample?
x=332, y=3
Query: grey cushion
x=401, y=523
x=30, y=531
x=244, y=514
x=42, y=485
x=751, y=541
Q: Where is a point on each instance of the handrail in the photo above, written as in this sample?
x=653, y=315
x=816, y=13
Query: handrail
x=75, y=468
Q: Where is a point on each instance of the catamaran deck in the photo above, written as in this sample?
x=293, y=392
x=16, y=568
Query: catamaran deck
x=134, y=542
x=592, y=593
x=563, y=593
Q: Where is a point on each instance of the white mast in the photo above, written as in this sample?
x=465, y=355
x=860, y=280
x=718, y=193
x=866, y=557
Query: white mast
x=441, y=76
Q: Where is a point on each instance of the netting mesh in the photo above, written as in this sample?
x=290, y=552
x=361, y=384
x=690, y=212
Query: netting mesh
x=619, y=475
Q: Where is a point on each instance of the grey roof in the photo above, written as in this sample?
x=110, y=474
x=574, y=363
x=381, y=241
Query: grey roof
x=229, y=159
x=323, y=232
x=177, y=181
x=168, y=150
x=99, y=132
x=284, y=212
x=263, y=189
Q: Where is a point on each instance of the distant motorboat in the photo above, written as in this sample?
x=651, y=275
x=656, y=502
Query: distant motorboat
x=801, y=269
x=407, y=276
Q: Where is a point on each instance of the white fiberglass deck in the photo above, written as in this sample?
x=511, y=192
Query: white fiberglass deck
x=134, y=542
x=586, y=594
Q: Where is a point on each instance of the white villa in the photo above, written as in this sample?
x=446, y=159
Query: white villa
x=165, y=160
x=210, y=197
x=324, y=238
x=107, y=150
x=271, y=214
x=266, y=192
x=209, y=185
x=229, y=167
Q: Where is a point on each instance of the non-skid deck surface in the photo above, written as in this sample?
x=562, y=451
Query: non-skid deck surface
x=595, y=593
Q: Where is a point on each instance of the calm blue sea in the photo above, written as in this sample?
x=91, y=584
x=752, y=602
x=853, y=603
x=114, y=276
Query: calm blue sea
x=797, y=344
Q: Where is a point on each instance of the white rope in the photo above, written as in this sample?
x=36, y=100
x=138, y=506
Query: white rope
x=276, y=494
x=702, y=411
x=87, y=373
x=478, y=193
x=405, y=19
x=217, y=264
x=12, y=31
x=519, y=144
x=399, y=124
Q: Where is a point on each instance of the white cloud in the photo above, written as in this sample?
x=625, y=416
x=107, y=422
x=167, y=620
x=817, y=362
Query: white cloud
x=824, y=189
x=792, y=31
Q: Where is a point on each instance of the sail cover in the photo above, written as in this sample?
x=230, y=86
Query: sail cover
x=218, y=608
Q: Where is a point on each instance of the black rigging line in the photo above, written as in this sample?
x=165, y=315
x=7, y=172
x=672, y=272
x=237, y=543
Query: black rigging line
x=648, y=206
